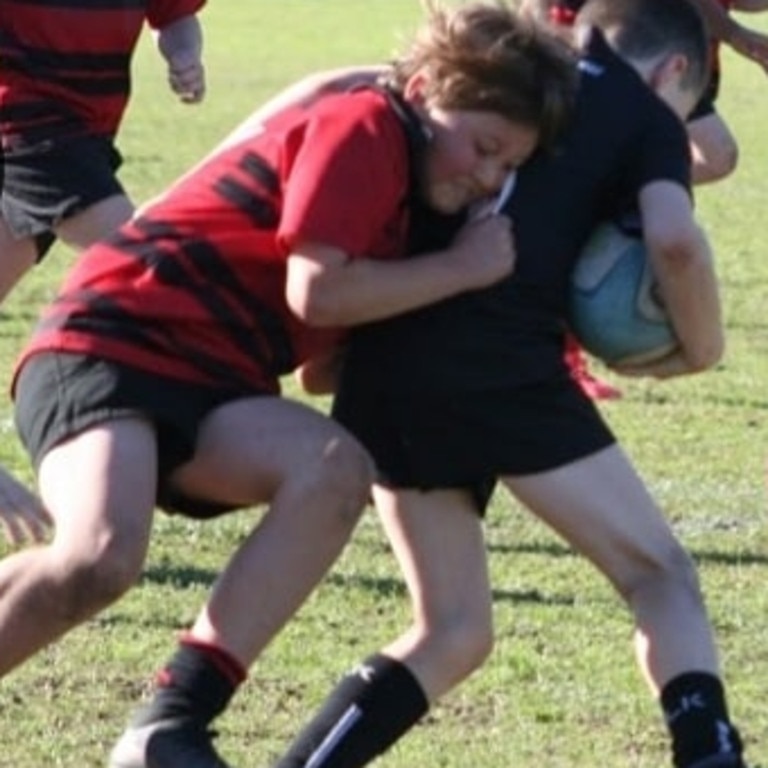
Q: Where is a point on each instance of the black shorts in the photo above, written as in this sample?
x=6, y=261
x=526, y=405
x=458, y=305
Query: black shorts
x=468, y=440
x=58, y=395
x=49, y=182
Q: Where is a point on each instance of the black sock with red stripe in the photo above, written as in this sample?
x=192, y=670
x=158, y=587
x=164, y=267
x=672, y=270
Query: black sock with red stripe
x=369, y=710
x=197, y=683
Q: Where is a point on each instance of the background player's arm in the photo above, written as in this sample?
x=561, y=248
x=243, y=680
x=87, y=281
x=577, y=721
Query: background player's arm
x=181, y=44
x=745, y=41
x=22, y=515
x=683, y=264
x=303, y=91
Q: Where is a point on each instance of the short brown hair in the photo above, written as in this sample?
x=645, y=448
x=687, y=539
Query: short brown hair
x=644, y=29
x=484, y=56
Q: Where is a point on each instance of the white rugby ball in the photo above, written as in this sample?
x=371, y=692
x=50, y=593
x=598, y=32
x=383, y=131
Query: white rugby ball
x=615, y=309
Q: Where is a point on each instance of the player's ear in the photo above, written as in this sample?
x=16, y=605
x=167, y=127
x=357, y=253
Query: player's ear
x=668, y=72
x=415, y=90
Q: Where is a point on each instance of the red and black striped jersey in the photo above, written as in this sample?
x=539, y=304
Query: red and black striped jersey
x=65, y=64
x=195, y=287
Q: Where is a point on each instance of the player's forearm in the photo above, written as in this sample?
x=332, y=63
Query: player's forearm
x=366, y=290
x=688, y=284
x=181, y=40
x=721, y=25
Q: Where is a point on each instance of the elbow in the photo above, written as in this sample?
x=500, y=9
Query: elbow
x=315, y=308
x=705, y=356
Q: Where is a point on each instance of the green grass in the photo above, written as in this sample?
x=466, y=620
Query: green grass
x=561, y=688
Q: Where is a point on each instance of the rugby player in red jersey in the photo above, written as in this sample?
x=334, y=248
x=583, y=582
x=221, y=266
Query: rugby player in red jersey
x=153, y=377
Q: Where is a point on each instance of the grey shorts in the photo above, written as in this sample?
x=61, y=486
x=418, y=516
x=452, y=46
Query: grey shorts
x=58, y=395
x=49, y=182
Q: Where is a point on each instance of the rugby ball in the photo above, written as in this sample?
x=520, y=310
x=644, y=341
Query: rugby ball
x=615, y=310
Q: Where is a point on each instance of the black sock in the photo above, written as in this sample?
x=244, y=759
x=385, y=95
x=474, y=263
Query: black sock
x=198, y=683
x=367, y=712
x=697, y=718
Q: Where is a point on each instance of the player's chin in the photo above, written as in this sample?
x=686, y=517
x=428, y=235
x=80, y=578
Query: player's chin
x=448, y=200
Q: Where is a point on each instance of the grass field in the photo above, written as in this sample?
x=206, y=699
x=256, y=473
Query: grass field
x=561, y=688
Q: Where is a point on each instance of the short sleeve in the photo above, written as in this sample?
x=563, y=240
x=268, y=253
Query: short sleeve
x=663, y=152
x=161, y=13
x=348, y=177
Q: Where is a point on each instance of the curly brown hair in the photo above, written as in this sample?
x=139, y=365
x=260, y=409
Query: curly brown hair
x=484, y=56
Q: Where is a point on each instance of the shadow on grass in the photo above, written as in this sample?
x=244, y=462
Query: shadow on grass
x=700, y=556
x=729, y=558
x=184, y=577
x=387, y=586
x=179, y=576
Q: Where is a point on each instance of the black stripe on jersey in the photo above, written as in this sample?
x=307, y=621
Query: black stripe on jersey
x=213, y=270
x=261, y=171
x=260, y=210
x=87, y=5
x=210, y=266
x=62, y=60
x=35, y=111
x=217, y=288
x=94, y=74
x=40, y=118
x=106, y=319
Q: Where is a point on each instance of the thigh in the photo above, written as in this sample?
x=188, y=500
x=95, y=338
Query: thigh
x=248, y=448
x=95, y=222
x=437, y=538
x=601, y=507
x=100, y=486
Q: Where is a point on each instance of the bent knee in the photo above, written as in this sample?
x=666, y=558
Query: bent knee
x=343, y=472
x=670, y=569
x=462, y=646
x=87, y=581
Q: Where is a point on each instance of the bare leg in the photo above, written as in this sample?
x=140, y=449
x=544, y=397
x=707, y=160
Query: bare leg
x=601, y=507
x=316, y=480
x=438, y=541
x=100, y=489
x=95, y=223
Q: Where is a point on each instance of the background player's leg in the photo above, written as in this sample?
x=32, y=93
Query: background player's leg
x=16, y=258
x=95, y=222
